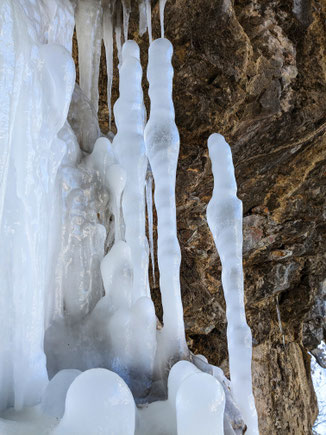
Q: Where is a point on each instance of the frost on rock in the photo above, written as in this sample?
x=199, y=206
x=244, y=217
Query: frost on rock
x=81, y=350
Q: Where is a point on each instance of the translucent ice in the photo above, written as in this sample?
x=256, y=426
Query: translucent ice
x=37, y=81
x=162, y=7
x=162, y=147
x=89, y=38
x=108, y=11
x=224, y=216
x=54, y=396
x=129, y=147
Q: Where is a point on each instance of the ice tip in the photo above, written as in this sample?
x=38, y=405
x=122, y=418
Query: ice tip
x=217, y=143
x=161, y=45
x=130, y=48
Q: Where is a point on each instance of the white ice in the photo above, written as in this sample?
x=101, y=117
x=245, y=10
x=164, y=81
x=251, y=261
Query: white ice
x=224, y=217
x=89, y=38
x=74, y=263
x=98, y=402
x=162, y=147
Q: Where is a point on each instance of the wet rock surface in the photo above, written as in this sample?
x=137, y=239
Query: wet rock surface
x=254, y=71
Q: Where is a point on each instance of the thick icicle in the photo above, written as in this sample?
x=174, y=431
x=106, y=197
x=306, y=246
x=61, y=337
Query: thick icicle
x=162, y=146
x=224, y=216
x=149, y=205
x=108, y=11
x=162, y=7
x=37, y=80
x=89, y=38
x=149, y=20
x=129, y=147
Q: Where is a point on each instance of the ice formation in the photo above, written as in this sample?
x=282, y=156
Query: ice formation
x=82, y=351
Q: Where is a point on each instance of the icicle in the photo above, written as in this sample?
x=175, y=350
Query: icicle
x=142, y=17
x=117, y=29
x=126, y=6
x=224, y=217
x=162, y=147
x=129, y=147
x=162, y=7
x=279, y=318
x=149, y=20
x=149, y=204
x=89, y=38
x=108, y=44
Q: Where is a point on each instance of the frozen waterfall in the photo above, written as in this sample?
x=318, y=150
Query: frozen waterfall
x=82, y=351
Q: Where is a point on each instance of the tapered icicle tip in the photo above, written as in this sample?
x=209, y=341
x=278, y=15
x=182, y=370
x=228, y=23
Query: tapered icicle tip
x=217, y=144
x=130, y=48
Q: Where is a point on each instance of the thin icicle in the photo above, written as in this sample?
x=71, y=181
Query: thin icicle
x=149, y=20
x=117, y=29
x=279, y=319
x=142, y=17
x=126, y=6
x=149, y=205
x=162, y=7
x=89, y=37
x=108, y=43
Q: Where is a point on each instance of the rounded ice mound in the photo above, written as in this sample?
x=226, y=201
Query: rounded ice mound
x=54, y=397
x=162, y=48
x=200, y=403
x=98, y=402
x=178, y=373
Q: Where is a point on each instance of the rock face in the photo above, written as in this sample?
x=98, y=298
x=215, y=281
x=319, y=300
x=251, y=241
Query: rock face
x=254, y=71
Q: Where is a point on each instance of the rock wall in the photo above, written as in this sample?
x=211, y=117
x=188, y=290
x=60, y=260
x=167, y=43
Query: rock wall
x=255, y=71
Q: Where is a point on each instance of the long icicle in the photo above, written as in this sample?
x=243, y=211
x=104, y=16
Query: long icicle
x=224, y=217
x=149, y=205
x=108, y=44
x=126, y=7
x=149, y=20
x=162, y=7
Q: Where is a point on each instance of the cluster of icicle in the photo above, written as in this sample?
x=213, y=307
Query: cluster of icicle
x=75, y=297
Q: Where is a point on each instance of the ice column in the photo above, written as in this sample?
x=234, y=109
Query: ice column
x=37, y=81
x=129, y=147
x=89, y=38
x=162, y=146
x=224, y=216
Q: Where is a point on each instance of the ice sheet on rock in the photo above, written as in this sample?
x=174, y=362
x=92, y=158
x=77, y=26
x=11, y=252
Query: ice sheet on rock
x=83, y=119
x=88, y=17
x=162, y=147
x=98, y=401
x=224, y=216
x=37, y=82
x=129, y=147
